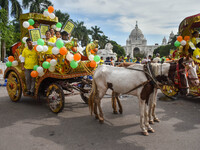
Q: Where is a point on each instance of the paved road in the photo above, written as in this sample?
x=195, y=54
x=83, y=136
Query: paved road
x=28, y=125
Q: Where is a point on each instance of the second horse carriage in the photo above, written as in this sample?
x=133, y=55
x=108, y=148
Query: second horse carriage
x=51, y=84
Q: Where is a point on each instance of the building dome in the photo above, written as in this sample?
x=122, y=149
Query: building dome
x=136, y=34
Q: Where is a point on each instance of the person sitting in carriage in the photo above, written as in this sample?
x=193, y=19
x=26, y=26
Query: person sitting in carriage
x=195, y=35
x=28, y=62
x=50, y=42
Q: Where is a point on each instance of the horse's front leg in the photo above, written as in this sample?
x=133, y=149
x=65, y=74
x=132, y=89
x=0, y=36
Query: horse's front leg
x=101, y=119
x=149, y=128
x=155, y=118
x=150, y=109
x=142, y=117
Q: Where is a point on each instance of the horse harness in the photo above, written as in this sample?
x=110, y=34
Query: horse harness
x=157, y=82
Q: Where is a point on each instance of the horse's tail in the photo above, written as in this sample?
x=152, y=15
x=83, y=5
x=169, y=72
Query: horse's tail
x=92, y=97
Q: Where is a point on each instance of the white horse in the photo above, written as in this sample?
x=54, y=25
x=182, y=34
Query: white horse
x=133, y=81
x=192, y=79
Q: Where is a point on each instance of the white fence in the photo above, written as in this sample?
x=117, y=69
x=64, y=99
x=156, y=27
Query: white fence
x=2, y=69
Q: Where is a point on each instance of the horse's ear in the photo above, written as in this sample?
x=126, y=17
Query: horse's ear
x=180, y=61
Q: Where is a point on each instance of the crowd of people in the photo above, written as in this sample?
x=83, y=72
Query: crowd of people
x=128, y=59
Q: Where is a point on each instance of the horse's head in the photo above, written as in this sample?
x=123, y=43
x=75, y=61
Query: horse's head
x=192, y=73
x=182, y=77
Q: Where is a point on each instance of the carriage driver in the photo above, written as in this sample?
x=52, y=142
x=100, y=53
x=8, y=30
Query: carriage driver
x=28, y=62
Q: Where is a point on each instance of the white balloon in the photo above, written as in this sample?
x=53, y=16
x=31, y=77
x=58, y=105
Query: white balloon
x=197, y=56
x=40, y=70
x=55, y=50
x=70, y=57
x=183, y=42
x=41, y=74
x=14, y=63
x=24, y=39
x=46, y=13
x=26, y=24
x=53, y=26
x=39, y=48
x=53, y=62
x=91, y=57
x=45, y=48
x=22, y=59
x=52, y=15
x=51, y=68
x=58, y=29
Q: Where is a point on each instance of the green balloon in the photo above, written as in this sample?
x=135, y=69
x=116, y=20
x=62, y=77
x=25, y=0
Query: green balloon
x=35, y=67
x=8, y=64
x=58, y=25
x=73, y=64
x=59, y=43
x=96, y=58
x=46, y=10
x=31, y=21
x=177, y=43
x=40, y=42
x=45, y=64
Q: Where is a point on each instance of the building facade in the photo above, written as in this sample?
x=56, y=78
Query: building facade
x=136, y=43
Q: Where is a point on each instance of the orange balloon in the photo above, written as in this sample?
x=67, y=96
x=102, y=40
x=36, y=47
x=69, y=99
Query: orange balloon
x=48, y=60
x=179, y=38
x=96, y=49
x=93, y=64
x=34, y=74
x=30, y=27
x=11, y=58
x=92, y=52
x=88, y=64
x=77, y=57
x=63, y=51
x=187, y=38
x=50, y=9
x=35, y=48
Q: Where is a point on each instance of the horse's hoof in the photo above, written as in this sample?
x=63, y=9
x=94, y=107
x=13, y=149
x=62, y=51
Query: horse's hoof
x=120, y=111
x=101, y=120
x=156, y=120
x=145, y=133
x=115, y=112
x=151, y=130
x=151, y=122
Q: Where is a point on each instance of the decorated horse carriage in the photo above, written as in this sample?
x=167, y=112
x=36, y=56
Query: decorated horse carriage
x=57, y=74
x=185, y=48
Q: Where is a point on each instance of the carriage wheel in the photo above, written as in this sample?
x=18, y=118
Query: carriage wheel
x=55, y=98
x=14, y=87
x=169, y=90
x=87, y=87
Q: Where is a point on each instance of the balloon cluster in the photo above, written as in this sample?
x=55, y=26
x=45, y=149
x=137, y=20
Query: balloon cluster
x=11, y=62
x=181, y=41
x=40, y=47
x=29, y=24
x=49, y=12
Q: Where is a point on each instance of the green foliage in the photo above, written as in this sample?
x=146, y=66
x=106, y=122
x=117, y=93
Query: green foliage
x=7, y=30
x=102, y=41
x=36, y=6
x=118, y=49
x=96, y=33
x=63, y=17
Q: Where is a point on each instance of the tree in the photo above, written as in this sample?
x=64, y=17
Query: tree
x=63, y=17
x=96, y=33
x=36, y=6
x=7, y=30
x=102, y=41
x=81, y=33
x=16, y=10
x=118, y=48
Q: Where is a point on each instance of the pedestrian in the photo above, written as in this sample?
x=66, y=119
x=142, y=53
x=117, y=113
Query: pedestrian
x=157, y=58
x=28, y=62
x=101, y=61
x=128, y=59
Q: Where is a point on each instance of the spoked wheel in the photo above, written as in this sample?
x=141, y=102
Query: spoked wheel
x=87, y=87
x=14, y=87
x=169, y=90
x=55, y=98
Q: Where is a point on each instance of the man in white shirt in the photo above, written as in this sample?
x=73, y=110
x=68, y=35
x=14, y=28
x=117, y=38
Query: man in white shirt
x=157, y=59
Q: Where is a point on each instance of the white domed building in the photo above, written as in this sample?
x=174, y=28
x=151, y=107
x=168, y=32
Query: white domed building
x=136, y=43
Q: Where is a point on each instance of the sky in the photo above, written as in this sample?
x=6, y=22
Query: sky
x=117, y=18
